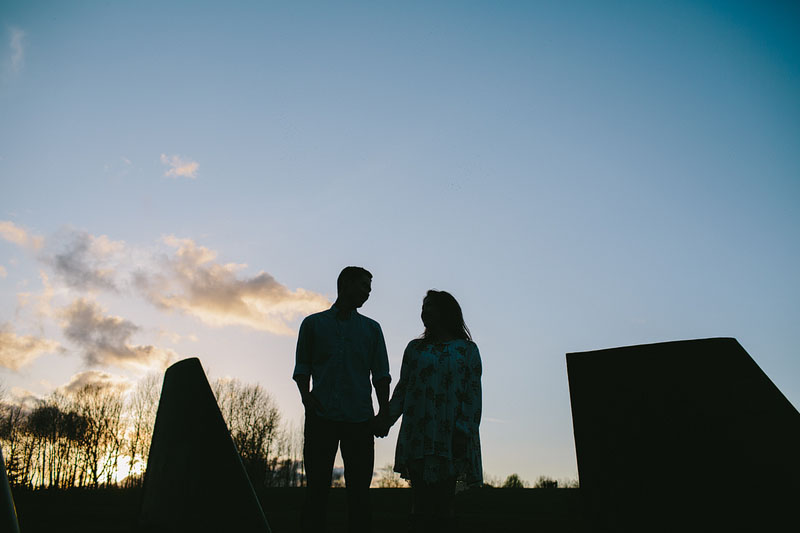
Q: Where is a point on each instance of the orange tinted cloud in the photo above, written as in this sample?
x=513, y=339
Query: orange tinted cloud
x=192, y=281
x=17, y=351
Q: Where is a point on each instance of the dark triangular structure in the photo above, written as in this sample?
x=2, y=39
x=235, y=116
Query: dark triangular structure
x=195, y=480
x=8, y=513
x=683, y=436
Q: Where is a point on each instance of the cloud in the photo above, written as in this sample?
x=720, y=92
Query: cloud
x=188, y=278
x=105, y=339
x=84, y=263
x=175, y=338
x=24, y=398
x=17, y=351
x=120, y=168
x=19, y=236
x=178, y=167
x=97, y=379
x=41, y=302
x=3, y=271
x=17, y=45
x=193, y=282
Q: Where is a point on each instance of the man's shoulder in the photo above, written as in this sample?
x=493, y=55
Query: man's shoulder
x=369, y=322
x=316, y=317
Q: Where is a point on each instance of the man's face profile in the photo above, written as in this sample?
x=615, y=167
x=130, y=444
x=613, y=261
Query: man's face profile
x=359, y=290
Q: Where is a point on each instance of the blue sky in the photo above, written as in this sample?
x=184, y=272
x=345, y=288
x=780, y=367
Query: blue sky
x=579, y=176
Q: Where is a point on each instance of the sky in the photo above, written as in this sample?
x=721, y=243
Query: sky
x=187, y=179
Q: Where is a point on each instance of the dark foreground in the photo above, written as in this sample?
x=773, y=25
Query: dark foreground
x=484, y=510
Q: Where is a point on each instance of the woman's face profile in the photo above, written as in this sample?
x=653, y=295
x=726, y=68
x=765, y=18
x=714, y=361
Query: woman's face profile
x=430, y=315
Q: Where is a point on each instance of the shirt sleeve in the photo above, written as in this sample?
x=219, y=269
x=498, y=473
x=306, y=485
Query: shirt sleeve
x=468, y=414
x=380, y=359
x=302, y=358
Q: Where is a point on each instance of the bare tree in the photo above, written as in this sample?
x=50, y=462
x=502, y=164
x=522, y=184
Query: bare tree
x=253, y=420
x=87, y=437
x=141, y=411
x=285, y=467
x=102, y=445
x=514, y=482
x=389, y=479
x=13, y=439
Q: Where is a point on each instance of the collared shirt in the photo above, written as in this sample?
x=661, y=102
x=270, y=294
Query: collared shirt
x=339, y=355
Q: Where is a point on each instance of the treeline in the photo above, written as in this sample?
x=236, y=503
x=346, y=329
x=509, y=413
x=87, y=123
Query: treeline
x=542, y=482
x=99, y=436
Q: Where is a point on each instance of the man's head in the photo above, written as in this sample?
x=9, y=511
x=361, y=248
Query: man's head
x=354, y=285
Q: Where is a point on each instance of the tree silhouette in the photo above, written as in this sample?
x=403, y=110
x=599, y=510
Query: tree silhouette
x=514, y=482
x=93, y=436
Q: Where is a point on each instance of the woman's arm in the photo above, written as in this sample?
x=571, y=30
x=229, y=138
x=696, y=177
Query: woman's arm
x=468, y=413
x=399, y=394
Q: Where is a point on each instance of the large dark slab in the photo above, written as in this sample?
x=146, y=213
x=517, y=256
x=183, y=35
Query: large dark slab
x=8, y=513
x=683, y=436
x=195, y=480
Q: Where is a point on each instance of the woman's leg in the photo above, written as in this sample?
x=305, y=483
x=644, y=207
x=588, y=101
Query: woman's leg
x=442, y=498
x=432, y=505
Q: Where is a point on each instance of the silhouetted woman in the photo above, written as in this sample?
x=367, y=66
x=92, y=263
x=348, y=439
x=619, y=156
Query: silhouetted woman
x=439, y=396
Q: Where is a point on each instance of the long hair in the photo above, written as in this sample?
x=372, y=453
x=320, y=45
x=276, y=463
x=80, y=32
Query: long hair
x=452, y=319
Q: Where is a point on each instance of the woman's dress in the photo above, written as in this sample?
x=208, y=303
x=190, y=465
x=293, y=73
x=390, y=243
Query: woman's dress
x=439, y=396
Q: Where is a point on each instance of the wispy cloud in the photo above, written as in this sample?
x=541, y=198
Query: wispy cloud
x=96, y=379
x=192, y=281
x=24, y=398
x=495, y=420
x=119, y=168
x=17, y=45
x=17, y=351
x=106, y=339
x=85, y=263
x=19, y=236
x=3, y=271
x=179, y=167
x=188, y=278
x=42, y=301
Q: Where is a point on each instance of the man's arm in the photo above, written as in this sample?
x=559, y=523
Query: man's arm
x=382, y=391
x=381, y=380
x=309, y=400
x=302, y=367
x=379, y=426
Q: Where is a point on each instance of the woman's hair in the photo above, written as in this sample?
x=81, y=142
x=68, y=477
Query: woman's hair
x=451, y=318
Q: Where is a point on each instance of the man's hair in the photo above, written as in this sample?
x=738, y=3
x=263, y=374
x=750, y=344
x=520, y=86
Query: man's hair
x=350, y=274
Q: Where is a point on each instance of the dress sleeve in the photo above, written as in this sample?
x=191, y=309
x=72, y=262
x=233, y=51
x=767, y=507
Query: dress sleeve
x=399, y=394
x=468, y=414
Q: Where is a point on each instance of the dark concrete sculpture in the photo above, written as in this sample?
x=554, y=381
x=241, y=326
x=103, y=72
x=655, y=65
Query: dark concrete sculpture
x=8, y=512
x=195, y=480
x=683, y=436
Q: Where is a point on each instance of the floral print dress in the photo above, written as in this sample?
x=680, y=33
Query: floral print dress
x=439, y=396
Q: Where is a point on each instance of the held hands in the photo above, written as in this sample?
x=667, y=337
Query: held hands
x=380, y=424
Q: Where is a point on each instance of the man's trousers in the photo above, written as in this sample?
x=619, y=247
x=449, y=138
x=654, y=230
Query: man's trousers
x=322, y=438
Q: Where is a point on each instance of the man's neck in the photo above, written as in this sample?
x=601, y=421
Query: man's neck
x=343, y=309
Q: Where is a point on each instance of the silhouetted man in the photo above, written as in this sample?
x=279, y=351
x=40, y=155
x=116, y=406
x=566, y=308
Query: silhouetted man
x=340, y=348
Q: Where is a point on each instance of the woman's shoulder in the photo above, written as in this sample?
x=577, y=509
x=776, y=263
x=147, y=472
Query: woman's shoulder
x=465, y=343
x=468, y=348
x=414, y=344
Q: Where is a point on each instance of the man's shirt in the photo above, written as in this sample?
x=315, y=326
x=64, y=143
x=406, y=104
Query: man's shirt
x=340, y=355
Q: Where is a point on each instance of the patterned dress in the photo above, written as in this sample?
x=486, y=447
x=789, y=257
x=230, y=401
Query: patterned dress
x=439, y=396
